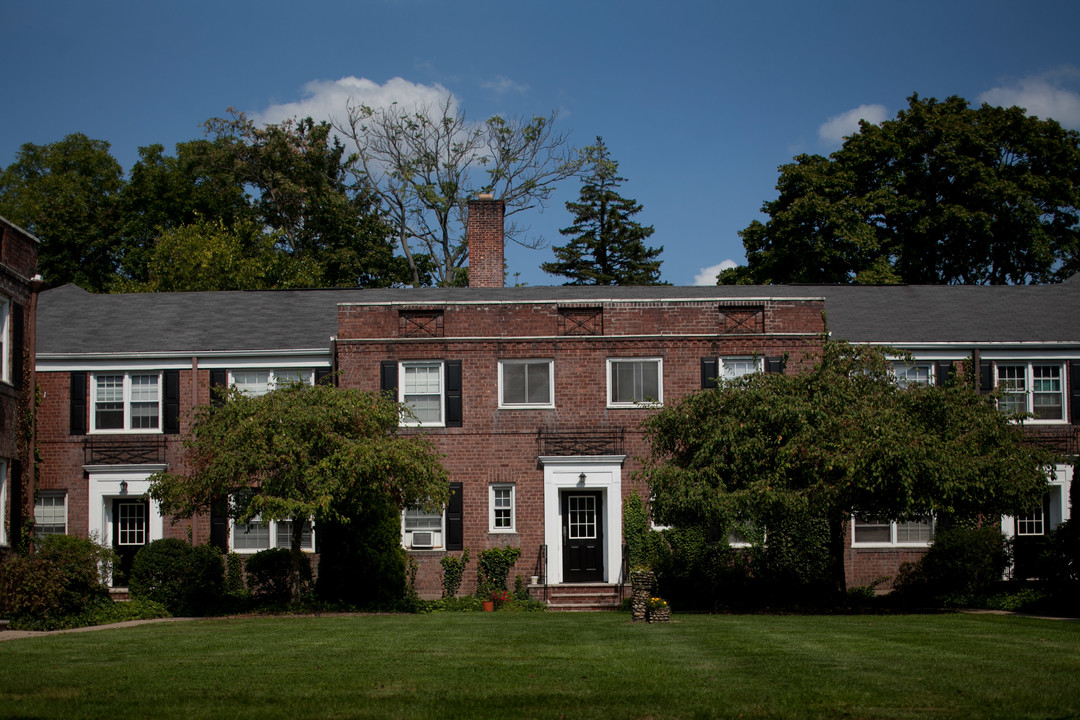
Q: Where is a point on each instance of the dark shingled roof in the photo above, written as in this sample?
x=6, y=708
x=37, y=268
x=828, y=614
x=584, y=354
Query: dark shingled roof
x=73, y=321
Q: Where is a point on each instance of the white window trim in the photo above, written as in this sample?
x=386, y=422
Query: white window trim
x=406, y=535
x=893, y=543
x=759, y=364
x=904, y=365
x=528, y=405
x=408, y=421
x=53, y=494
x=272, y=527
x=513, y=508
x=3, y=503
x=1029, y=391
x=5, y=338
x=127, y=429
x=659, y=402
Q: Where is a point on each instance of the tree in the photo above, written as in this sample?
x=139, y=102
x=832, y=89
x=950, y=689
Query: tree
x=607, y=247
x=424, y=164
x=299, y=453
x=843, y=438
x=943, y=194
x=66, y=194
x=208, y=255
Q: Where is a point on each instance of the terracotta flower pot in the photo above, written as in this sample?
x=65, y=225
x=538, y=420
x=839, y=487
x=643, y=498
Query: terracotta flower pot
x=489, y=606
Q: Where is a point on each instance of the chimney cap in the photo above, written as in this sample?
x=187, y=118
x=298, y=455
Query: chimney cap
x=485, y=196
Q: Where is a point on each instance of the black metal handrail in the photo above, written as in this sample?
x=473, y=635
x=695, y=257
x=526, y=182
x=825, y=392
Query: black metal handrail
x=580, y=441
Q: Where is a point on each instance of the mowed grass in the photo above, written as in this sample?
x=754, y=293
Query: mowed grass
x=547, y=665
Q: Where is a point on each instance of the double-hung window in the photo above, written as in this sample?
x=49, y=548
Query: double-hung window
x=635, y=381
x=1033, y=387
x=421, y=391
x=126, y=402
x=526, y=384
x=422, y=529
x=913, y=373
x=501, y=508
x=260, y=382
x=262, y=535
x=50, y=514
x=877, y=531
x=736, y=367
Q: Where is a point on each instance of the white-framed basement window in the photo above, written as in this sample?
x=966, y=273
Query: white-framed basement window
x=868, y=531
x=502, y=508
x=422, y=529
x=125, y=402
x=1032, y=387
x=526, y=384
x=420, y=388
x=633, y=382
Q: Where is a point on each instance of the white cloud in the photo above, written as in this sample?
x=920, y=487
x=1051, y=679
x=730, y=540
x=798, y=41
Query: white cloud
x=1042, y=96
x=836, y=128
x=707, y=275
x=327, y=99
x=502, y=84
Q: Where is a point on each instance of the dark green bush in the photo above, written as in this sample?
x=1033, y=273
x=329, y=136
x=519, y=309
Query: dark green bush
x=493, y=567
x=186, y=580
x=962, y=562
x=268, y=573
x=1061, y=558
x=30, y=587
x=85, y=566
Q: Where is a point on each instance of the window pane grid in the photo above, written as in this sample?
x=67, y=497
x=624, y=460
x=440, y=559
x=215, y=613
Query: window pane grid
x=1030, y=523
x=50, y=515
x=502, y=508
x=132, y=520
x=582, y=517
x=635, y=381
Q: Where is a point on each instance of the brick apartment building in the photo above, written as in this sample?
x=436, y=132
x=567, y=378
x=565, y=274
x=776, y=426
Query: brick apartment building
x=18, y=294
x=534, y=395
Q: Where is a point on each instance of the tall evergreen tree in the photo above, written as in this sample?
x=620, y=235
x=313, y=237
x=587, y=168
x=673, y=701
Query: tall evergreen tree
x=607, y=247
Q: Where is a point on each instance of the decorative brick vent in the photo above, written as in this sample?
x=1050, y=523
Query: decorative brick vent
x=742, y=319
x=581, y=321
x=420, y=323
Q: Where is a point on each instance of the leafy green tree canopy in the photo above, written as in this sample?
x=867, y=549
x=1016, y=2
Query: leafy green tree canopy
x=297, y=453
x=843, y=438
x=607, y=247
x=66, y=193
x=943, y=194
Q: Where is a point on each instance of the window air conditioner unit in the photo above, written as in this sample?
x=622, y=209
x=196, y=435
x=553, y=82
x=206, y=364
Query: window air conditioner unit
x=423, y=539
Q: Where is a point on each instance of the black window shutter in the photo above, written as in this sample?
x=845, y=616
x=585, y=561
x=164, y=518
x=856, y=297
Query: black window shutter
x=78, y=403
x=172, y=402
x=388, y=375
x=219, y=524
x=774, y=364
x=453, y=393
x=455, y=530
x=710, y=371
x=218, y=380
x=323, y=376
x=1074, y=396
x=17, y=340
x=942, y=371
x=986, y=376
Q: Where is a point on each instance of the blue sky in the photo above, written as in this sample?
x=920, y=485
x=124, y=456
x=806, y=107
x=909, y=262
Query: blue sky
x=699, y=102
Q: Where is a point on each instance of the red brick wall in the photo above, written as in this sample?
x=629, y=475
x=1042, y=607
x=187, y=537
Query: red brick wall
x=485, y=237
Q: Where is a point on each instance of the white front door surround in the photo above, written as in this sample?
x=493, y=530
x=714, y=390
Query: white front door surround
x=602, y=473
x=104, y=482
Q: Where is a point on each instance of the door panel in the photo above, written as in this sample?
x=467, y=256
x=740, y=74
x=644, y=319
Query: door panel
x=131, y=531
x=583, y=537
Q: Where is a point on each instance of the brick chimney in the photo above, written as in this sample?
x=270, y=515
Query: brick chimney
x=485, y=238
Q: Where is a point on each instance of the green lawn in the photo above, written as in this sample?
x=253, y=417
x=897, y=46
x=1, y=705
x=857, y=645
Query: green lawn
x=547, y=665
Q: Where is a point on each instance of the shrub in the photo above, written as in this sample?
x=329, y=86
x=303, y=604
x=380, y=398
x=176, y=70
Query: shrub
x=85, y=566
x=962, y=562
x=1061, y=558
x=184, y=579
x=492, y=568
x=453, y=572
x=30, y=586
x=268, y=573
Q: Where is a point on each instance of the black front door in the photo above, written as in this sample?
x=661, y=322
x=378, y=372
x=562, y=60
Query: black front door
x=583, y=537
x=131, y=527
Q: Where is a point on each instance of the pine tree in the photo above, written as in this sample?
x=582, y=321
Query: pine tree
x=607, y=247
